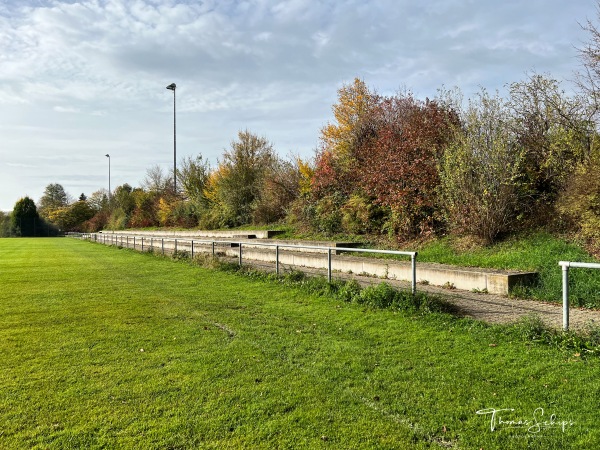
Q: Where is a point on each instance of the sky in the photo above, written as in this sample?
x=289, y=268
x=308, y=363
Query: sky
x=82, y=79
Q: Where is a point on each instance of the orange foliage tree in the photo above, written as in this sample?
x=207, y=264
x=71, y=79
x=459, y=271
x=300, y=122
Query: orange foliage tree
x=399, y=160
x=378, y=166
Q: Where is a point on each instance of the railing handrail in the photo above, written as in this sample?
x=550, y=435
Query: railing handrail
x=579, y=264
x=566, y=265
x=413, y=255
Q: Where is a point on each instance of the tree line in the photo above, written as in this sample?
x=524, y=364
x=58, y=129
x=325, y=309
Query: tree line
x=390, y=166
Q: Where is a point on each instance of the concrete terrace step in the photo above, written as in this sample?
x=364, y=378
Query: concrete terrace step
x=263, y=249
x=464, y=278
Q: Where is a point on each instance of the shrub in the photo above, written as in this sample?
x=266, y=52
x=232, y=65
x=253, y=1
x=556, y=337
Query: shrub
x=327, y=214
x=580, y=202
x=350, y=291
x=482, y=187
x=356, y=215
x=399, y=159
x=118, y=220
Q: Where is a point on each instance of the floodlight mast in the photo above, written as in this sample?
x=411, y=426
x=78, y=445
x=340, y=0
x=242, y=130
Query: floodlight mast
x=109, y=191
x=172, y=87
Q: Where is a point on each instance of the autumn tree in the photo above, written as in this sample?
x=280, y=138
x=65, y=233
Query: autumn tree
x=355, y=101
x=280, y=187
x=378, y=164
x=234, y=188
x=73, y=216
x=399, y=158
x=336, y=168
x=54, y=197
x=122, y=205
x=99, y=204
x=336, y=162
x=144, y=212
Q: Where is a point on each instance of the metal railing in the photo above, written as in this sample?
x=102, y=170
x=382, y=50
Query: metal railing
x=565, y=285
x=125, y=241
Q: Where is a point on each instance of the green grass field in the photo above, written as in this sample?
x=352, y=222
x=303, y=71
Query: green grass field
x=107, y=348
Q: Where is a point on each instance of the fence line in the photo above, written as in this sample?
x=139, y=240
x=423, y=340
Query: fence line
x=102, y=238
x=565, y=285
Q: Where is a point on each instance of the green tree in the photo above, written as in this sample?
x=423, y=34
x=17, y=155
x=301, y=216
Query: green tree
x=122, y=205
x=25, y=218
x=72, y=217
x=6, y=228
x=193, y=176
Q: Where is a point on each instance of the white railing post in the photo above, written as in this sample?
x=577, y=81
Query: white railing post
x=413, y=262
x=329, y=265
x=277, y=259
x=565, y=285
x=565, y=293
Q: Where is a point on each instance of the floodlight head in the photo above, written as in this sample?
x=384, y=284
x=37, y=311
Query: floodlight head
x=172, y=86
x=107, y=155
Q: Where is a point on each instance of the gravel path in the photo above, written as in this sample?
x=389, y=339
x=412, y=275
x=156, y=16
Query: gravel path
x=500, y=309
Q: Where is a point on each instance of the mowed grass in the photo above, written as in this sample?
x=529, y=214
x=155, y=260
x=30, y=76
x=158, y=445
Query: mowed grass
x=108, y=348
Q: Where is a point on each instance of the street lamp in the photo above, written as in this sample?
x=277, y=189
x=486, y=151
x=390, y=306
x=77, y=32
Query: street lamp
x=108, y=156
x=172, y=87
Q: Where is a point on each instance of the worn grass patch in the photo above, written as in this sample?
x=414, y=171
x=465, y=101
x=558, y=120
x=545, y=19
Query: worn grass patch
x=107, y=348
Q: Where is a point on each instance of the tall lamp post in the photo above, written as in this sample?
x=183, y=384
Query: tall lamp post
x=109, y=191
x=172, y=87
